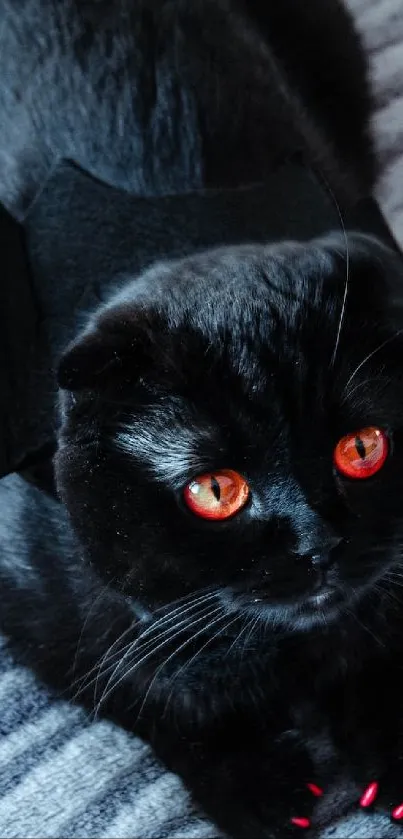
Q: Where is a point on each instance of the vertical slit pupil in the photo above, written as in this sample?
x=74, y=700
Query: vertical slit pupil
x=360, y=448
x=215, y=488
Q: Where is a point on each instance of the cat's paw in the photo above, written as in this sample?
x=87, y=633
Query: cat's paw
x=386, y=795
x=306, y=802
x=279, y=815
x=300, y=819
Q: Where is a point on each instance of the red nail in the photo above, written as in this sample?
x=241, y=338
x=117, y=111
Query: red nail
x=368, y=797
x=397, y=813
x=301, y=822
x=315, y=790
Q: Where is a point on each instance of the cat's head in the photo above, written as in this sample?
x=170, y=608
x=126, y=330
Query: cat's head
x=234, y=420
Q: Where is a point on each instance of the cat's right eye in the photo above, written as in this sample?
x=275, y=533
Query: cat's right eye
x=361, y=454
x=216, y=495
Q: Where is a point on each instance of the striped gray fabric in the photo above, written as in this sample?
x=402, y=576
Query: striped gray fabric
x=60, y=776
x=380, y=23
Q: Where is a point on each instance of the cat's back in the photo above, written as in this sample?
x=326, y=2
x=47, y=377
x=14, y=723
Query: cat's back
x=165, y=96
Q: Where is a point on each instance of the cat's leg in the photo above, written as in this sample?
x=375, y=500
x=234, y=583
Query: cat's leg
x=251, y=779
x=369, y=734
x=385, y=793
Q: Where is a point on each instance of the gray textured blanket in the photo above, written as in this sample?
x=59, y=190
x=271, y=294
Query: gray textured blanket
x=60, y=776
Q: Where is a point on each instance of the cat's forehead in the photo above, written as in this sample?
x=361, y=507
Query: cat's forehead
x=242, y=299
x=254, y=311
x=242, y=321
x=284, y=276
x=302, y=301
x=257, y=305
x=242, y=280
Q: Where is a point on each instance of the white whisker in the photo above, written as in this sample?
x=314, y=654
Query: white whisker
x=193, y=658
x=135, y=647
x=346, y=285
x=165, y=619
x=238, y=636
x=96, y=600
x=384, y=591
x=371, y=354
x=364, y=627
x=178, y=650
x=357, y=387
x=98, y=665
x=252, y=625
x=185, y=599
x=134, y=666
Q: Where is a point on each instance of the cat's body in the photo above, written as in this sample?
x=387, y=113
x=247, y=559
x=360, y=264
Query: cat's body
x=261, y=675
x=164, y=97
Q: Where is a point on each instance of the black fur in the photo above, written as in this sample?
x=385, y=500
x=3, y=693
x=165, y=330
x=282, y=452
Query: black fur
x=254, y=358
x=165, y=96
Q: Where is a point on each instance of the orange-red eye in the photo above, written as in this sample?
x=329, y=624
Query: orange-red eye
x=217, y=495
x=361, y=454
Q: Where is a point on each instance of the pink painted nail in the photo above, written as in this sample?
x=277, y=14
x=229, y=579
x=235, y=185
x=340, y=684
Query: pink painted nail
x=371, y=792
x=315, y=790
x=301, y=822
x=397, y=813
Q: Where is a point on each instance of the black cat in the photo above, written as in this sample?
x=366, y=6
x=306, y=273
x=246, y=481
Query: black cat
x=220, y=571
x=165, y=96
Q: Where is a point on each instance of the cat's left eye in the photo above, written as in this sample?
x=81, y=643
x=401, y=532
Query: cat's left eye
x=216, y=495
x=361, y=454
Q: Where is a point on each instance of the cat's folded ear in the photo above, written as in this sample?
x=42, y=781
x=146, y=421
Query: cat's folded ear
x=118, y=343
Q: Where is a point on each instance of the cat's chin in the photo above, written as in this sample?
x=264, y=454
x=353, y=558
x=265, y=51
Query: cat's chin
x=315, y=610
